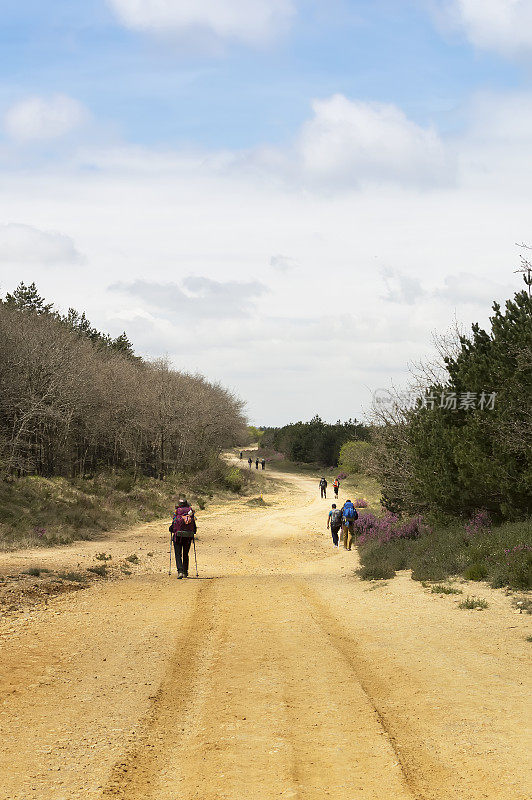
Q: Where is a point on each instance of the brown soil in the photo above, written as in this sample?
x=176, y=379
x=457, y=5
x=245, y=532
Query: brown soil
x=277, y=674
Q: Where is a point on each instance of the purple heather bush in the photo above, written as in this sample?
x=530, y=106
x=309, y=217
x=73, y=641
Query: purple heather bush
x=501, y=554
x=385, y=529
x=361, y=503
x=480, y=522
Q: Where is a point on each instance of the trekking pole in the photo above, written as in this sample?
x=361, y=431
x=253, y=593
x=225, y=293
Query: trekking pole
x=195, y=559
x=170, y=565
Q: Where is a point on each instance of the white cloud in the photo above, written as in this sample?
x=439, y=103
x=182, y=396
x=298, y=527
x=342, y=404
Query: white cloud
x=200, y=298
x=401, y=288
x=146, y=218
x=36, y=118
x=468, y=288
x=283, y=263
x=501, y=25
x=248, y=21
x=350, y=142
x=21, y=244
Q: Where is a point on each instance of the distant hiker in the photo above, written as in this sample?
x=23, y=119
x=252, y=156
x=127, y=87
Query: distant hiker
x=263, y=462
x=323, y=487
x=250, y=462
x=256, y=463
x=349, y=515
x=334, y=522
x=336, y=486
x=241, y=454
x=183, y=528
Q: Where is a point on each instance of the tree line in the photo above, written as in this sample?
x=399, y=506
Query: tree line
x=74, y=400
x=466, y=443
x=316, y=441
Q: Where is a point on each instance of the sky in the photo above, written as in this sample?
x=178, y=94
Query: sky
x=288, y=196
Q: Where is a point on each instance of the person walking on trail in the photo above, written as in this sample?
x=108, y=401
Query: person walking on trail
x=349, y=516
x=250, y=462
x=263, y=462
x=336, y=486
x=241, y=454
x=256, y=463
x=334, y=522
x=183, y=528
x=323, y=487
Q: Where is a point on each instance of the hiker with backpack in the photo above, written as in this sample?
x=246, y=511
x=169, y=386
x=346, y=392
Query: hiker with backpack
x=336, y=486
x=349, y=516
x=263, y=463
x=256, y=463
x=334, y=522
x=323, y=487
x=183, y=528
x=250, y=462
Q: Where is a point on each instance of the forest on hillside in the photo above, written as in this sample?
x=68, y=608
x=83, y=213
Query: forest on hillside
x=74, y=401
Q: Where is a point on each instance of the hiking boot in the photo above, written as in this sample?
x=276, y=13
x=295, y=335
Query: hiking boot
x=179, y=575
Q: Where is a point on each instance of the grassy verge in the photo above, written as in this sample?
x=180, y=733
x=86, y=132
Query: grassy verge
x=500, y=555
x=56, y=511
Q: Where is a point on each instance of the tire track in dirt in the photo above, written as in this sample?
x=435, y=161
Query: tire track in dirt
x=271, y=709
x=135, y=774
x=416, y=766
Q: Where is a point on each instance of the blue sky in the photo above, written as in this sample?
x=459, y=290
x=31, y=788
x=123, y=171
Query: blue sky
x=163, y=92
x=343, y=178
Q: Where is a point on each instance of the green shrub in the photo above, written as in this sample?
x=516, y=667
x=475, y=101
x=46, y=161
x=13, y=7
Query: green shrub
x=354, y=457
x=257, y=502
x=476, y=603
x=74, y=577
x=440, y=588
x=376, y=572
x=476, y=572
x=34, y=571
x=125, y=483
x=234, y=479
x=100, y=570
x=133, y=559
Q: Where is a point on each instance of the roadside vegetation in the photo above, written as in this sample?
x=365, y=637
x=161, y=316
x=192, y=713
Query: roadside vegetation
x=455, y=467
x=94, y=437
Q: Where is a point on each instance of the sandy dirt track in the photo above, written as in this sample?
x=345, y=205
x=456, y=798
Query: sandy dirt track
x=277, y=674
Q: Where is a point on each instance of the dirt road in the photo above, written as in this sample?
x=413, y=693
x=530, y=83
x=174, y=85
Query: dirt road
x=277, y=674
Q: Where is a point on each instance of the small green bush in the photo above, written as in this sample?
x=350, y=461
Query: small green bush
x=440, y=588
x=476, y=572
x=376, y=572
x=100, y=570
x=103, y=557
x=257, y=502
x=133, y=559
x=234, y=480
x=473, y=603
x=33, y=571
x=125, y=483
x=74, y=577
